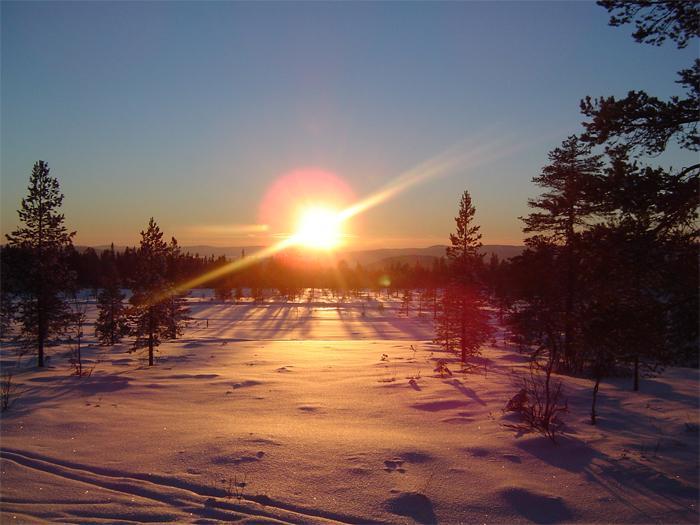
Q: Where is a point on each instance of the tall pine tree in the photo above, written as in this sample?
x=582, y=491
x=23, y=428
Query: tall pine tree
x=149, y=311
x=572, y=184
x=464, y=302
x=42, y=310
x=176, y=309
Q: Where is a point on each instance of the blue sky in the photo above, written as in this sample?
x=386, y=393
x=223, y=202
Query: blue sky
x=189, y=111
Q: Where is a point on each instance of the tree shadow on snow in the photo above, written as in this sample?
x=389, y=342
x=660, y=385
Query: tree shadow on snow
x=537, y=508
x=627, y=480
x=468, y=392
x=49, y=391
x=568, y=454
x=436, y=406
x=413, y=505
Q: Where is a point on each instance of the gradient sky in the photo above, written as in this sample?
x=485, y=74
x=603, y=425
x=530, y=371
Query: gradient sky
x=188, y=112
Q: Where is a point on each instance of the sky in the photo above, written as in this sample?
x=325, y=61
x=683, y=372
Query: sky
x=191, y=112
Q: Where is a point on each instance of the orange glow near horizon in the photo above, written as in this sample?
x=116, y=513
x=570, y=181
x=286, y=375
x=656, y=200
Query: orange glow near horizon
x=313, y=195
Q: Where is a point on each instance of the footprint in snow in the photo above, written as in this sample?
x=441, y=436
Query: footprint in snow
x=394, y=465
x=229, y=460
x=512, y=457
x=309, y=408
x=478, y=452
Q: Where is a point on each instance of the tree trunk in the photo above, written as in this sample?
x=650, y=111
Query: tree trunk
x=42, y=336
x=568, y=312
x=112, y=324
x=150, y=349
x=595, y=397
x=40, y=353
x=463, y=331
x=40, y=305
x=80, y=359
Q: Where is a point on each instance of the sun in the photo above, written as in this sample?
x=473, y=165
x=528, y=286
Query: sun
x=319, y=228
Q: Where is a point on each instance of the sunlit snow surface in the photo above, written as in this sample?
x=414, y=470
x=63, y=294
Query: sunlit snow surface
x=310, y=406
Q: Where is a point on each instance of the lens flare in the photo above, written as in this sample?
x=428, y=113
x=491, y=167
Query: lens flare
x=288, y=197
x=323, y=226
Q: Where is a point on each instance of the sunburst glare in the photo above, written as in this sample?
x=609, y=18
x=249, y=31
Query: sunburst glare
x=319, y=228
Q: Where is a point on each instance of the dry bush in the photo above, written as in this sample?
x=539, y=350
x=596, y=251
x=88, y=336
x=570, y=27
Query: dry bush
x=8, y=391
x=234, y=487
x=441, y=368
x=539, y=402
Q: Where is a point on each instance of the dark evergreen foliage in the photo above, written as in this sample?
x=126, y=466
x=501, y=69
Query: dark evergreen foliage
x=644, y=121
x=42, y=310
x=655, y=21
x=462, y=320
x=571, y=183
x=111, y=324
x=149, y=313
x=177, y=311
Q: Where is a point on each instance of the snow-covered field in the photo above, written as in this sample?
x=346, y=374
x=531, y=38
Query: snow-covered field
x=305, y=412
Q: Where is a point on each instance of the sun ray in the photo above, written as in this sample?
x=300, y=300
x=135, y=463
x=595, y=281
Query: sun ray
x=440, y=165
x=233, y=266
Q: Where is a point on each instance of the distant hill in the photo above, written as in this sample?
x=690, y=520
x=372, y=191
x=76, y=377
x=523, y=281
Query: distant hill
x=423, y=256
x=378, y=257
x=228, y=251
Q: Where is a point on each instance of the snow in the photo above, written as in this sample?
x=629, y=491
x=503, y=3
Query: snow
x=329, y=415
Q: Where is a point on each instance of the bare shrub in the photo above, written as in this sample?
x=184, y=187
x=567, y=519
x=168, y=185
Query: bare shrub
x=539, y=402
x=8, y=391
x=441, y=368
x=235, y=487
x=413, y=380
x=76, y=321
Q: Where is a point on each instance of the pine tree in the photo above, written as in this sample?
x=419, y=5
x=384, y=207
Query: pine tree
x=446, y=320
x=7, y=312
x=641, y=120
x=572, y=182
x=77, y=320
x=12, y=265
x=149, y=312
x=223, y=291
x=111, y=324
x=464, y=253
x=42, y=310
x=474, y=327
x=465, y=294
x=175, y=305
x=631, y=253
x=406, y=300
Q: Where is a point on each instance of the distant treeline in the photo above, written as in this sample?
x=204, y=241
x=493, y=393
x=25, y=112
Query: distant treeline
x=91, y=269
